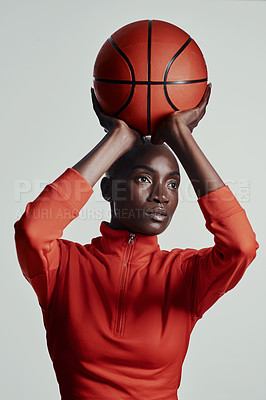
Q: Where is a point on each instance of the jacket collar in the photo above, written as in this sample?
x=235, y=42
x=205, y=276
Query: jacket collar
x=114, y=242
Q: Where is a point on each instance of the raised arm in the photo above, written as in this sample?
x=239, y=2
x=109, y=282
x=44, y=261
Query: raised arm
x=38, y=231
x=176, y=131
x=209, y=272
x=118, y=140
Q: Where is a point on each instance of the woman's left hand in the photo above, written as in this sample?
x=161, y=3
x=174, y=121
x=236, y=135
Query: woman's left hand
x=172, y=125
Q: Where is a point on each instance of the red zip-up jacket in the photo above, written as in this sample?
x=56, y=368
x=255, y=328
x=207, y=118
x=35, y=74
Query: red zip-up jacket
x=119, y=311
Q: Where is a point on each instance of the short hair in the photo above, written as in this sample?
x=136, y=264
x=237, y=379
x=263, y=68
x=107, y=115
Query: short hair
x=114, y=169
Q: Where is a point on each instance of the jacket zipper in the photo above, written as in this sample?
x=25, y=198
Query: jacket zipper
x=123, y=281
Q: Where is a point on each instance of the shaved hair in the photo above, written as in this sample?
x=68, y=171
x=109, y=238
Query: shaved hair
x=117, y=167
x=114, y=170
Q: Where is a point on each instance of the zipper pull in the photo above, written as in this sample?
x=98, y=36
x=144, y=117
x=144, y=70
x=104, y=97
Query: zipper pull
x=132, y=237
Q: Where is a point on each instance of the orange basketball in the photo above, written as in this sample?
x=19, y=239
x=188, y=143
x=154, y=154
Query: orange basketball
x=147, y=70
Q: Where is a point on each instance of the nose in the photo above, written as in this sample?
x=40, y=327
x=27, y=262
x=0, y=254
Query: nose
x=161, y=199
x=159, y=195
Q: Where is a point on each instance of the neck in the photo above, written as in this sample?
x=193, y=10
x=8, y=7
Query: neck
x=116, y=224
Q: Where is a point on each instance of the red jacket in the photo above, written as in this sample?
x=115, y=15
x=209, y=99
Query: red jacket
x=119, y=311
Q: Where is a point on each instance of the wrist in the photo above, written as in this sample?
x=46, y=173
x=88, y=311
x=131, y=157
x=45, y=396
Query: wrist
x=123, y=135
x=177, y=133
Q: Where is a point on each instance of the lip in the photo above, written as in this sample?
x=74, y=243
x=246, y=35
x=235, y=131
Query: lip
x=157, y=214
x=157, y=210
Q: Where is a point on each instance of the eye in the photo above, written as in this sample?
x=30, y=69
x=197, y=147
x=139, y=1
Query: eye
x=143, y=179
x=173, y=185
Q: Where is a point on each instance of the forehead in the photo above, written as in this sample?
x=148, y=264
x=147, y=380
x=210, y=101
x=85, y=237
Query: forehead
x=157, y=157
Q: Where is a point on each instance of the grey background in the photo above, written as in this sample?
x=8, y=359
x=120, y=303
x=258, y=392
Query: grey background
x=47, y=124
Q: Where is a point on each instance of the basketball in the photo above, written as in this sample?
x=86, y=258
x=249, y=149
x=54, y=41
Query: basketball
x=147, y=70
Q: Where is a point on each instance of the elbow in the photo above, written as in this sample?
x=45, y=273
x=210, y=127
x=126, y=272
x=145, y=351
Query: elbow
x=25, y=231
x=247, y=249
x=20, y=226
x=19, y=229
x=21, y=235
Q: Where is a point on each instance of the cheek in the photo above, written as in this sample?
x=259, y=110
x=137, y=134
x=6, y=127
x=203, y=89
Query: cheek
x=137, y=194
x=174, y=201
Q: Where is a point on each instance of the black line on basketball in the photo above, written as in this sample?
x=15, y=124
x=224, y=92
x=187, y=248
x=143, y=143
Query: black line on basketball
x=125, y=82
x=185, y=82
x=132, y=83
x=149, y=81
x=182, y=48
x=169, y=101
x=125, y=58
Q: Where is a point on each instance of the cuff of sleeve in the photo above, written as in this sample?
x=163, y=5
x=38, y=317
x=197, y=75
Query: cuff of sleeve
x=219, y=204
x=73, y=187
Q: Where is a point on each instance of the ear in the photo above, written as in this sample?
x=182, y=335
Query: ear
x=106, y=188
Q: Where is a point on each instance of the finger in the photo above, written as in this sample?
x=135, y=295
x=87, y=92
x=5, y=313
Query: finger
x=206, y=96
x=205, y=99
x=140, y=141
x=96, y=106
x=95, y=103
x=156, y=139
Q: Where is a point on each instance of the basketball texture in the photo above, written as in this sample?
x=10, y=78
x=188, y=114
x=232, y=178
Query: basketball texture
x=147, y=70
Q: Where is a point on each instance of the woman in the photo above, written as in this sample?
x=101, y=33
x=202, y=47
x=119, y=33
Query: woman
x=119, y=311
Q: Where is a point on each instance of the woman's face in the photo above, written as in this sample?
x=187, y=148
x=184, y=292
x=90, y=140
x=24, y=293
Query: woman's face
x=145, y=194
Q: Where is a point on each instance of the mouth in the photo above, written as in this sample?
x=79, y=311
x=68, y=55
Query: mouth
x=157, y=215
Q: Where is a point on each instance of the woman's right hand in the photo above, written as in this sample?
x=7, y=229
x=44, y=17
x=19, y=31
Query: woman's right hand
x=109, y=123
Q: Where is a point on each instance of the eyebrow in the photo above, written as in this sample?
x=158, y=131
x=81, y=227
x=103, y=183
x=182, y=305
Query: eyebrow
x=152, y=170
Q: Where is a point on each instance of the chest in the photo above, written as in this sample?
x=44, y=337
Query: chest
x=131, y=311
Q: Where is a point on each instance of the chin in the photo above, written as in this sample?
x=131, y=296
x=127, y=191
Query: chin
x=151, y=229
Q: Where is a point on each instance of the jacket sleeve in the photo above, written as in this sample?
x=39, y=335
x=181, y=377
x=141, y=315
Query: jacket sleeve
x=38, y=231
x=213, y=271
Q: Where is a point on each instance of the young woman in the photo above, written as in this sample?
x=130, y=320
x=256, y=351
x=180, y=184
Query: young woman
x=119, y=311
